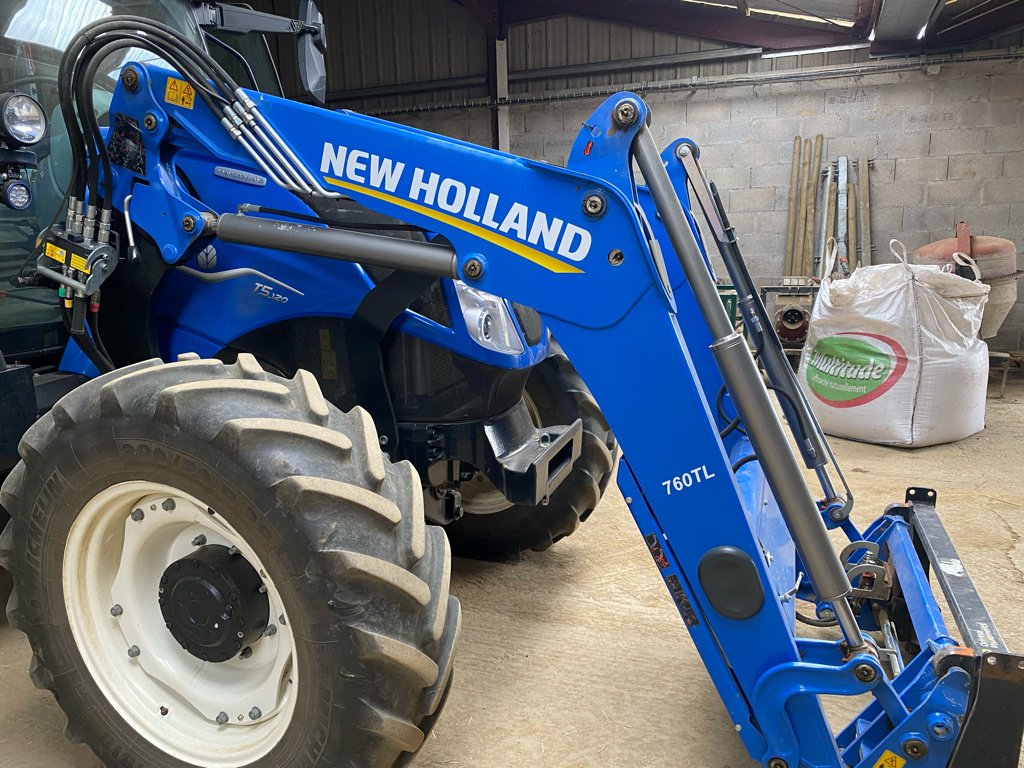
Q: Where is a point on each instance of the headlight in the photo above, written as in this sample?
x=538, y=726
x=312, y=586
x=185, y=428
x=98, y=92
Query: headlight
x=488, y=320
x=22, y=120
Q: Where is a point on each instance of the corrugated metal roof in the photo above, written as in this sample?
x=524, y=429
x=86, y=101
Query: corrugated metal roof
x=846, y=12
x=837, y=10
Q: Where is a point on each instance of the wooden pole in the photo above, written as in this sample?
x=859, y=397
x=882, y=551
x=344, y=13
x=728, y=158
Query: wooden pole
x=794, y=194
x=851, y=227
x=807, y=256
x=864, y=209
x=801, y=211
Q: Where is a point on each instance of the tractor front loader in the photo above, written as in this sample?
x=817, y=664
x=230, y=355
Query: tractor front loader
x=228, y=527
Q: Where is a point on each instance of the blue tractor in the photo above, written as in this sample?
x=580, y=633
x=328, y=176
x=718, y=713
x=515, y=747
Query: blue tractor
x=462, y=383
x=217, y=534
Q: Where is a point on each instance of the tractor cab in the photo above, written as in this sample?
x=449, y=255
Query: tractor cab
x=35, y=155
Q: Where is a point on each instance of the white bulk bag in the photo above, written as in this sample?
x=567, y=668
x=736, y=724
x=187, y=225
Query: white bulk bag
x=893, y=355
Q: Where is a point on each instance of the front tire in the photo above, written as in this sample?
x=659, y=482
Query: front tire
x=140, y=469
x=493, y=528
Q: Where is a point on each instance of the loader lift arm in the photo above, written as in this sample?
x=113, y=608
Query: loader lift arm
x=619, y=272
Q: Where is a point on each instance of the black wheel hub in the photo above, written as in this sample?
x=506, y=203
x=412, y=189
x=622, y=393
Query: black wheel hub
x=214, y=603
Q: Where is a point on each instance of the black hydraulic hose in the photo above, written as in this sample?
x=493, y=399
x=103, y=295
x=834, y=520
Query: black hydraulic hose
x=745, y=460
x=85, y=343
x=731, y=425
x=93, y=57
x=789, y=398
x=233, y=52
x=145, y=34
x=815, y=622
x=94, y=326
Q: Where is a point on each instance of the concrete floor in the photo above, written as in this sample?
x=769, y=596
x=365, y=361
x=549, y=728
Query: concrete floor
x=577, y=658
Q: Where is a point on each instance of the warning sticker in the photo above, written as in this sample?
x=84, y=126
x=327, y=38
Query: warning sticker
x=79, y=263
x=55, y=252
x=180, y=93
x=890, y=760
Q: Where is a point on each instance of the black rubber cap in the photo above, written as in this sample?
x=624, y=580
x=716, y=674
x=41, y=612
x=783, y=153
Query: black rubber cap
x=730, y=581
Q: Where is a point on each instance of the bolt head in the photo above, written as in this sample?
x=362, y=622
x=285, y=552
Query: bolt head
x=188, y=223
x=149, y=121
x=116, y=611
x=246, y=653
x=616, y=257
x=164, y=711
x=683, y=150
x=138, y=515
x=594, y=205
x=168, y=504
x=199, y=541
x=134, y=652
x=777, y=762
x=915, y=748
x=991, y=660
x=865, y=673
x=383, y=439
x=255, y=713
x=130, y=79
x=270, y=631
x=625, y=113
x=474, y=269
x=837, y=515
x=222, y=718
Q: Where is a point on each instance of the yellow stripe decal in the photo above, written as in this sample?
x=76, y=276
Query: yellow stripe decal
x=548, y=262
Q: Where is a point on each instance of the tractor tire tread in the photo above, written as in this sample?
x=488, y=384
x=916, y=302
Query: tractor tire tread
x=387, y=580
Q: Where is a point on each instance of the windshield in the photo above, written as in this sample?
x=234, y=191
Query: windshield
x=33, y=36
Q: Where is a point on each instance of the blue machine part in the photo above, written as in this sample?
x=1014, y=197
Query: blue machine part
x=609, y=286
x=261, y=286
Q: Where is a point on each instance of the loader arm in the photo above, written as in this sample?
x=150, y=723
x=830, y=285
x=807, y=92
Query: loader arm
x=619, y=272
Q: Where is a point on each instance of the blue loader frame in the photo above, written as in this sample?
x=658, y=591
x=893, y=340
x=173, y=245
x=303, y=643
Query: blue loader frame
x=619, y=273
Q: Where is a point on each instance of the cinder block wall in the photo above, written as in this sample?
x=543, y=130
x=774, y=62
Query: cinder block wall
x=946, y=145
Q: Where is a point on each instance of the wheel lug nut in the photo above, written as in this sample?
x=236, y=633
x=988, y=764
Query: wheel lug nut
x=133, y=652
x=246, y=653
x=270, y=631
x=233, y=550
x=116, y=611
x=255, y=713
x=168, y=505
x=222, y=718
x=263, y=589
x=164, y=711
x=199, y=541
x=138, y=515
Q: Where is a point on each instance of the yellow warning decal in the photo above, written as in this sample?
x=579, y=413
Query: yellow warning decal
x=55, y=252
x=77, y=262
x=890, y=760
x=180, y=93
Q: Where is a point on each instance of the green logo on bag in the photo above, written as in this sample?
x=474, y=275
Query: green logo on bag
x=851, y=369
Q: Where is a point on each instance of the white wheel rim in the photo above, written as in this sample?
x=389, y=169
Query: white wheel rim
x=167, y=695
